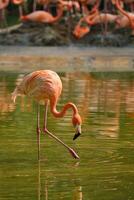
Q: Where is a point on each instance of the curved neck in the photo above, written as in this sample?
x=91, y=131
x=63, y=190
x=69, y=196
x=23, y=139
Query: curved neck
x=90, y=18
x=117, y=3
x=59, y=14
x=95, y=7
x=64, y=109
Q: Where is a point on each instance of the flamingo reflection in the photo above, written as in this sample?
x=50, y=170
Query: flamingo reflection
x=43, y=190
x=97, y=103
x=6, y=105
x=78, y=193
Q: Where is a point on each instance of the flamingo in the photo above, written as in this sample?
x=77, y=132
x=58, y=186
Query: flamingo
x=43, y=16
x=82, y=28
x=46, y=17
x=128, y=15
x=45, y=87
x=101, y=17
x=84, y=25
x=123, y=22
x=127, y=20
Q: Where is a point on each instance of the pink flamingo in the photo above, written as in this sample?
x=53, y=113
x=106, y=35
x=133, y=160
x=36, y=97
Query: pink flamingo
x=43, y=16
x=126, y=14
x=84, y=25
x=100, y=18
x=45, y=86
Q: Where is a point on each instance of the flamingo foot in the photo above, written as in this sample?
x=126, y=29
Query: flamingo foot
x=73, y=153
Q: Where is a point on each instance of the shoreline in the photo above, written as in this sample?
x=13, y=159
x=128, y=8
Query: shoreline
x=66, y=59
x=62, y=50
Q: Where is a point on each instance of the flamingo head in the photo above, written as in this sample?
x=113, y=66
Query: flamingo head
x=76, y=120
x=81, y=30
x=17, y=92
x=24, y=18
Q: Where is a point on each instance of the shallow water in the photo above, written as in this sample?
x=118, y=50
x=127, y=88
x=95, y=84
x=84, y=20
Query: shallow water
x=106, y=166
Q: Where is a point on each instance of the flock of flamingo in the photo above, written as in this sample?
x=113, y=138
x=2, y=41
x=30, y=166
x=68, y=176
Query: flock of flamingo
x=120, y=13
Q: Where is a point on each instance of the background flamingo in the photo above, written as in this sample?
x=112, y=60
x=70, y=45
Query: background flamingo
x=45, y=86
x=43, y=16
x=130, y=16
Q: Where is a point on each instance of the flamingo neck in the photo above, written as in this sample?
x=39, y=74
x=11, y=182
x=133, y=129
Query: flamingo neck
x=59, y=14
x=95, y=7
x=117, y=2
x=90, y=19
x=64, y=109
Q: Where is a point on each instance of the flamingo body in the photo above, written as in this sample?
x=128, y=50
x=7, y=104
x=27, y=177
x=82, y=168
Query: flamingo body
x=101, y=18
x=123, y=21
x=38, y=16
x=40, y=85
x=43, y=16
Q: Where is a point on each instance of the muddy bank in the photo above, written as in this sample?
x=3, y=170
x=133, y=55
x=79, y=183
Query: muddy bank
x=66, y=59
x=60, y=34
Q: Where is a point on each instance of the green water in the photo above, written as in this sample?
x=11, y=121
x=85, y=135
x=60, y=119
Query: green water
x=105, y=170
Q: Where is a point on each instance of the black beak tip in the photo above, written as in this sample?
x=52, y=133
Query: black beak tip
x=76, y=135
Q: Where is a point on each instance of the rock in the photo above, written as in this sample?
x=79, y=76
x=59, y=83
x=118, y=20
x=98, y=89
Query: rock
x=60, y=34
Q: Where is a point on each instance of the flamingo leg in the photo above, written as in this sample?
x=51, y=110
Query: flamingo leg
x=38, y=130
x=45, y=130
x=45, y=116
x=106, y=22
x=34, y=5
x=39, y=181
x=20, y=10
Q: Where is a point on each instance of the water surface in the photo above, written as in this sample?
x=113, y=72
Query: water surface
x=105, y=170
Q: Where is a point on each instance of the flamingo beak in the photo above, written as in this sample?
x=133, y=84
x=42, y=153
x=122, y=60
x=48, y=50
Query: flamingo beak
x=13, y=97
x=78, y=132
